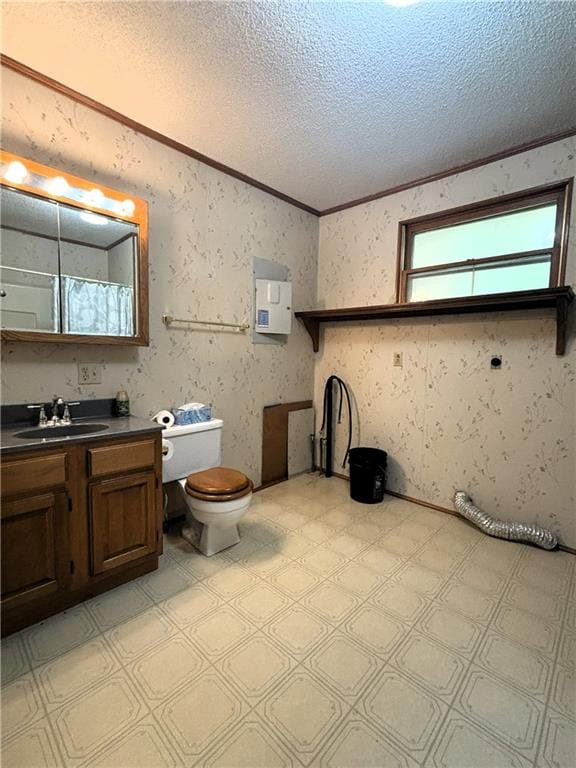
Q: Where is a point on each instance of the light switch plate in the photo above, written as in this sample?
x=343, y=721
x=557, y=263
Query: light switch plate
x=89, y=373
x=397, y=360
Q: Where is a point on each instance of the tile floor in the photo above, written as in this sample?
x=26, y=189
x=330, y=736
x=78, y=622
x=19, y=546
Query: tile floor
x=334, y=634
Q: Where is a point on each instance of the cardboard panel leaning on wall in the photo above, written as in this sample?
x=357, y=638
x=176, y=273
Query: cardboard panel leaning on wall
x=447, y=420
x=205, y=229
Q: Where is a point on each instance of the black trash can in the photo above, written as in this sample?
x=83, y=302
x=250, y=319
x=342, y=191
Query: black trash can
x=367, y=474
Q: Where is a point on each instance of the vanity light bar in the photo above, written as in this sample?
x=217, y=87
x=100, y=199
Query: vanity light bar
x=30, y=176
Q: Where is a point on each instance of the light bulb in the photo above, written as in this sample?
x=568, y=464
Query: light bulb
x=58, y=186
x=95, y=197
x=127, y=207
x=16, y=172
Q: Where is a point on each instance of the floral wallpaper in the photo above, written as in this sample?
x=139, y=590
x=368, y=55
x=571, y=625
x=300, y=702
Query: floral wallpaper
x=447, y=420
x=205, y=229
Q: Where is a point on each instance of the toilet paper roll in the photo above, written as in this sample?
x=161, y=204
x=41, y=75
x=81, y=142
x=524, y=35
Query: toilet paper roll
x=165, y=418
x=167, y=450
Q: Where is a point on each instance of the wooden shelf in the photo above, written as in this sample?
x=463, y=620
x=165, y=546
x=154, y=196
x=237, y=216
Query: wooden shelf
x=553, y=298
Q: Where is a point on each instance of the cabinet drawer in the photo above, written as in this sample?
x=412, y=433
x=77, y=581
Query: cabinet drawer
x=113, y=459
x=33, y=473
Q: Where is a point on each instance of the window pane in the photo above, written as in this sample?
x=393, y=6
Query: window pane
x=509, y=278
x=506, y=277
x=439, y=285
x=528, y=230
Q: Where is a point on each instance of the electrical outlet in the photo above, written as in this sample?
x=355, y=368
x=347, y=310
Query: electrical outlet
x=398, y=359
x=89, y=373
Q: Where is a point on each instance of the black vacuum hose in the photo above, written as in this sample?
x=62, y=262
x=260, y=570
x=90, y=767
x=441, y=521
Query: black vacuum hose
x=327, y=421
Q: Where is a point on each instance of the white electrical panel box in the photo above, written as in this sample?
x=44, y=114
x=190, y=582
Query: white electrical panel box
x=273, y=306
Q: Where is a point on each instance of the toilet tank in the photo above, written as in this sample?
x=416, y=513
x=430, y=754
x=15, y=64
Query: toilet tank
x=195, y=447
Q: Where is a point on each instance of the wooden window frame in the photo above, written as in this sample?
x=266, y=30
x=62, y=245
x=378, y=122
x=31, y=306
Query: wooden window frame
x=559, y=192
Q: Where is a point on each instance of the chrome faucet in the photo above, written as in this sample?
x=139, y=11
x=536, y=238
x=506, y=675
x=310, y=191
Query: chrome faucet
x=59, y=413
x=55, y=408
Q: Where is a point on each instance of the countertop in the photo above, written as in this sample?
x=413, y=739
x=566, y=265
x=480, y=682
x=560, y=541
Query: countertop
x=117, y=427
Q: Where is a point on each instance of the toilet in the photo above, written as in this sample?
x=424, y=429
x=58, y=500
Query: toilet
x=216, y=497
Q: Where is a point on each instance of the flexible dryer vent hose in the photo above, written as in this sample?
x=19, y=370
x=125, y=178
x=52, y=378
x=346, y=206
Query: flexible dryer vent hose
x=500, y=528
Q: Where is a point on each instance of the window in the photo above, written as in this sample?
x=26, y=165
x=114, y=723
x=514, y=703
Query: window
x=512, y=243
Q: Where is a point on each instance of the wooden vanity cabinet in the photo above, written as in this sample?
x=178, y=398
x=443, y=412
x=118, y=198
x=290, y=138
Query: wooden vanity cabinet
x=77, y=521
x=35, y=548
x=123, y=525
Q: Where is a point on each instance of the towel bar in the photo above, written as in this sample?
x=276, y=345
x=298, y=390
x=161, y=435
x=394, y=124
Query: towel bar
x=169, y=319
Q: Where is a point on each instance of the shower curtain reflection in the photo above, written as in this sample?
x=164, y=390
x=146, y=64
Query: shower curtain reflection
x=93, y=307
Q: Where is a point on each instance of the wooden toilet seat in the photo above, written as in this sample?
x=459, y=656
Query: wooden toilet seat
x=218, y=484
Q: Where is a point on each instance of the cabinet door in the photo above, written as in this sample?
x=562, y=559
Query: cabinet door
x=124, y=520
x=35, y=550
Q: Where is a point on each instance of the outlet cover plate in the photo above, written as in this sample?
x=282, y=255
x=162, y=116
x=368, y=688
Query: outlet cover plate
x=89, y=373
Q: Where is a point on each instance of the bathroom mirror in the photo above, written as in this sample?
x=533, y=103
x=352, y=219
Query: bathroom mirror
x=74, y=262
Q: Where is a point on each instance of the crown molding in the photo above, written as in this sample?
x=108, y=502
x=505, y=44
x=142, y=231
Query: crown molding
x=510, y=152
x=97, y=106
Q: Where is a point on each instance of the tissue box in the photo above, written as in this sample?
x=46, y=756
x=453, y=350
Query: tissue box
x=193, y=413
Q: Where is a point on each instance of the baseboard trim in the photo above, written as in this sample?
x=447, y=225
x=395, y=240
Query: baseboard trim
x=423, y=503
x=438, y=508
x=270, y=484
x=403, y=496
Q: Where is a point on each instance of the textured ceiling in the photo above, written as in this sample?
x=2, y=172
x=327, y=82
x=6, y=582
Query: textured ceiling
x=324, y=101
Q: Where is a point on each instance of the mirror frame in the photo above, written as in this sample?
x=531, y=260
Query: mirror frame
x=138, y=217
